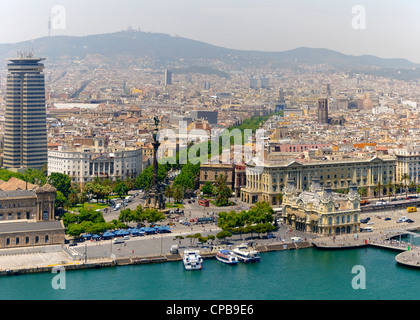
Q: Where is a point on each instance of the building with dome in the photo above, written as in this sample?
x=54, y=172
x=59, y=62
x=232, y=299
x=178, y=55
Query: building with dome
x=320, y=210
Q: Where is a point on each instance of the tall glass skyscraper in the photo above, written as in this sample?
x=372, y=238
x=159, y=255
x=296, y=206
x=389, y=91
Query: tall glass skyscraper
x=25, y=132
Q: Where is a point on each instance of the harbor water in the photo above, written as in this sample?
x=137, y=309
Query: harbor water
x=303, y=274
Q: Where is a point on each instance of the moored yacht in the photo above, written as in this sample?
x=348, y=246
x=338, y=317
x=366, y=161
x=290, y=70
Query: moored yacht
x=246, y=254
x=192, y=260
x=226, y=256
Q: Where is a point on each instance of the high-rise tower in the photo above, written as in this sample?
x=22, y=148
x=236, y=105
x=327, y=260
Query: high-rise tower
x=168, y=77
x=25, y=132
x=323, y=111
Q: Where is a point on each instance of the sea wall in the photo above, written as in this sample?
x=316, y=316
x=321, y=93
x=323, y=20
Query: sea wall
x=124, y=261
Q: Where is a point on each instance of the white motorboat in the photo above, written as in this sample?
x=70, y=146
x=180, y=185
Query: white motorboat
x=246, y=254
x=192, y=260
x=226, y=256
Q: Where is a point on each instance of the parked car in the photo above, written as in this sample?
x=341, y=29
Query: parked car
x=387, y=219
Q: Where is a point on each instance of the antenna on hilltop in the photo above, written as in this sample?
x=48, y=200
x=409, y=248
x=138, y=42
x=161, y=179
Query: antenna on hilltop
x=49, y=26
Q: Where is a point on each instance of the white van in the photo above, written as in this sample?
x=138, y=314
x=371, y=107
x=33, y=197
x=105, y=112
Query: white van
x=296, y=239
x=117, y=240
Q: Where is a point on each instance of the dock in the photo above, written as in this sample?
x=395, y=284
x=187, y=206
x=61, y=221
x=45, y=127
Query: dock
x=80, y=263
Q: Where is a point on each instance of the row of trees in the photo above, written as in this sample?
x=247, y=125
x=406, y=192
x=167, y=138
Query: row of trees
x=88, y=221
x=189, y=159
x=391, y=189
x=93, y=222
x=140, y=215
x=69, y=194
x=258, y=219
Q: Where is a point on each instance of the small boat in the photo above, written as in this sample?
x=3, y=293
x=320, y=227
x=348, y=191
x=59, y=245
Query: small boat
x=192, y=260
x=246, y=254
x=226, y=256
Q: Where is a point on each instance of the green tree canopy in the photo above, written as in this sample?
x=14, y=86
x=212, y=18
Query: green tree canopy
x=145, y=179
x=61, y=182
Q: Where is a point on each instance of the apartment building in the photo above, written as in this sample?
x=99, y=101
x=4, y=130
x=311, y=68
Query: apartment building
x=407, y=162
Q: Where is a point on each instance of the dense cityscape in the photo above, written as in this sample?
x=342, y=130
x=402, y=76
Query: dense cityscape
x=157, y=159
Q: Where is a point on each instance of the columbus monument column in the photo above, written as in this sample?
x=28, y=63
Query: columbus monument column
x=155, y=199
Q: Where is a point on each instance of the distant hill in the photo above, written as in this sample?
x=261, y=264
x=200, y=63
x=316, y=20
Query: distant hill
x=126, y=47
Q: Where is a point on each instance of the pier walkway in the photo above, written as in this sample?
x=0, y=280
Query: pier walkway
x=391, y=239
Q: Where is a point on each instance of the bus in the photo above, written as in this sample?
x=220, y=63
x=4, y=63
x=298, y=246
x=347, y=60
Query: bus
x=205, y=220
x=204, y=202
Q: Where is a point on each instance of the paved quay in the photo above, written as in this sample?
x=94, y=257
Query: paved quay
x=136, y=250
x=155, y=248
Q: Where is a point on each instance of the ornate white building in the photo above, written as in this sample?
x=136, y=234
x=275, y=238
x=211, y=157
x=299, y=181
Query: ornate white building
x=320, y=210
x=85, y=163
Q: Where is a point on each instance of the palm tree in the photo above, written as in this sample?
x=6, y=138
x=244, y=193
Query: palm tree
x=378, y=188
x=413, y=186
x=405, y=177
x=389, y=188
x=362, y=192
x=395, y=187
x=168, y=192
x=279, y=198
x=400, y=186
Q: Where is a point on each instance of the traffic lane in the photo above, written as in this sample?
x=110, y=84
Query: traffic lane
x=379, y=222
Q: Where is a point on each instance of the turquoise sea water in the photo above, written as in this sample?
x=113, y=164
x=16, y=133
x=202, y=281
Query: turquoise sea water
x=304, y=274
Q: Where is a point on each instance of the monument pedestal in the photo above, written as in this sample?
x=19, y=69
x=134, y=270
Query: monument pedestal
x=155, y=199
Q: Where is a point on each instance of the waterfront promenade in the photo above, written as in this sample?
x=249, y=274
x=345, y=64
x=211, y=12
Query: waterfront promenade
x=136, y=250
x=155, y=248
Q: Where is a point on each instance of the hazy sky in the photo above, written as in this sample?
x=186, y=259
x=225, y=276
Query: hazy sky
x=389, y=28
